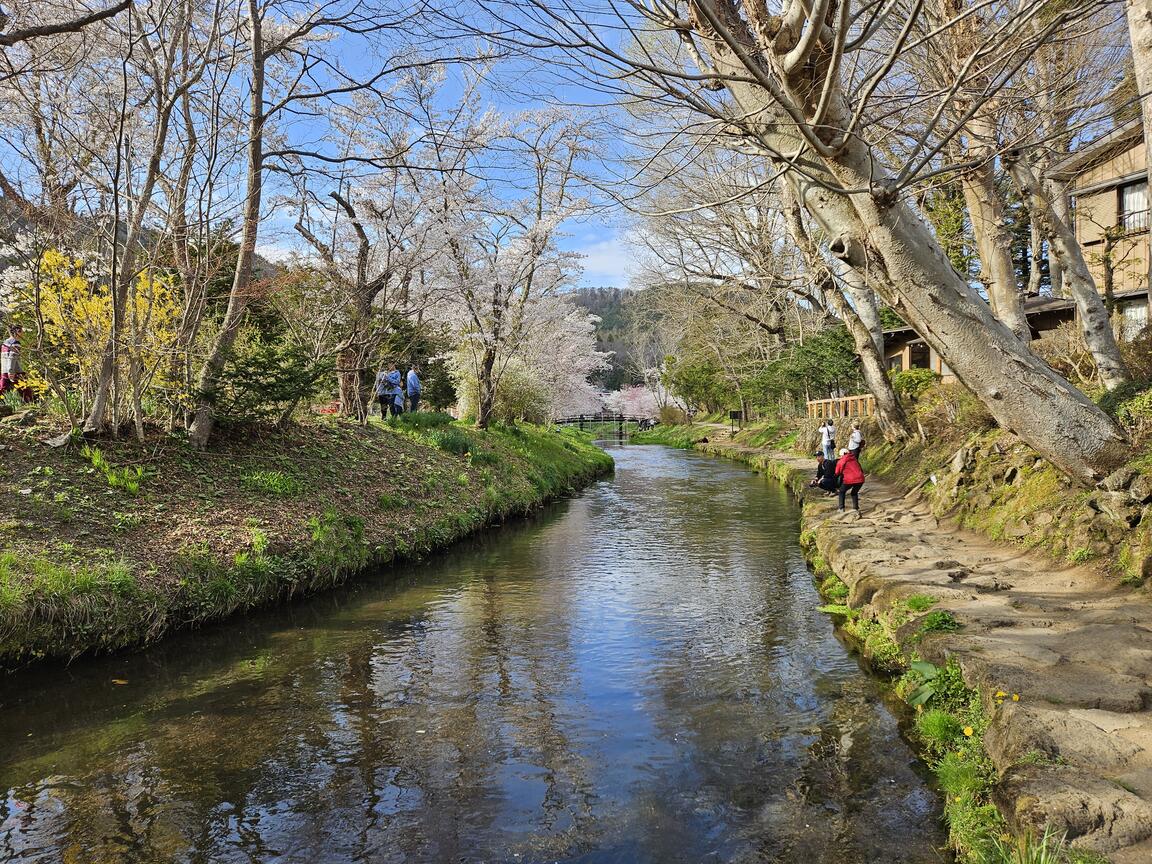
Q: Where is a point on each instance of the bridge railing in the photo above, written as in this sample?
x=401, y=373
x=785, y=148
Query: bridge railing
x=600, y=418
x=843, y=406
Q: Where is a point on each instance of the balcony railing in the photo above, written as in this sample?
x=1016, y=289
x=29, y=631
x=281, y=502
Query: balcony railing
x=843, y=406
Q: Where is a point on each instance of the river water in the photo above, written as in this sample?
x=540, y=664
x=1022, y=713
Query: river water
x=635, y=675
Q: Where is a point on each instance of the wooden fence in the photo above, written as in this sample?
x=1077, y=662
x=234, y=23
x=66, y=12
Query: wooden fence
x=845, y=406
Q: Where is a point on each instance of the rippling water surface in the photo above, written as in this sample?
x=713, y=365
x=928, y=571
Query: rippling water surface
x=637, y=675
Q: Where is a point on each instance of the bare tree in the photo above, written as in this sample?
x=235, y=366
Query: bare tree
x=58, y=28
x=291, y=71
x=806, y=87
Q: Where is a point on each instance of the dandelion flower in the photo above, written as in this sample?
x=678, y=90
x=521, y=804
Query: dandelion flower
x=1000, y=694
x=968, y=731
x=1015, y=697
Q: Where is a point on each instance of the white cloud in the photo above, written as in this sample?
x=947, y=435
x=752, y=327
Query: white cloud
x=607, y=263
x=277, y=253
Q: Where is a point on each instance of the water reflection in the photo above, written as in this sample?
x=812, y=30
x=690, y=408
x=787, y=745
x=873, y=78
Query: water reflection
x=637, y=676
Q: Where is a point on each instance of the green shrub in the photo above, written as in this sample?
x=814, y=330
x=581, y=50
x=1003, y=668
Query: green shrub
x=940, y=621
x=834, y=588
x=265, y=380
x=912, y=383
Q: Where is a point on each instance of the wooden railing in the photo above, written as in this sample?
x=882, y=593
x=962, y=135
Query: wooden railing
x=845, y=406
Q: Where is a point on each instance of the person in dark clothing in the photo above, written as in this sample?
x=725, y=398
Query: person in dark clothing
x=825, y=477
x=851, y=477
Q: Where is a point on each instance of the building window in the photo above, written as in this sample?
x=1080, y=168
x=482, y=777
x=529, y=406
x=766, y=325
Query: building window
x=1134, y=206
x=896, y=364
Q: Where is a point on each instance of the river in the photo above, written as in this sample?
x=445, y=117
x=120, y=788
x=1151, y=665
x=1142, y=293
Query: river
x=635, y=675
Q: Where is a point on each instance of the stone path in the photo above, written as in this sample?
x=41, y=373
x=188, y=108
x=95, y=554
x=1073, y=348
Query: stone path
x=1076, y=750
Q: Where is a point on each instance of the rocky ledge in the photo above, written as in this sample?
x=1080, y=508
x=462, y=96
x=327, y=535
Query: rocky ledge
x=1075, y=752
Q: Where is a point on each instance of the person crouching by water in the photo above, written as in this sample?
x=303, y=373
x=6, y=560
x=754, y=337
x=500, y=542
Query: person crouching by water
x=389, y=392
x=825, y=477
x=851, y=477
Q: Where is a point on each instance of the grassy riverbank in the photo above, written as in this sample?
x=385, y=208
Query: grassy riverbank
x=114, y=544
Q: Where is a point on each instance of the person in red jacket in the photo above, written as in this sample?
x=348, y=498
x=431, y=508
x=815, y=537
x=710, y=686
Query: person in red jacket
x=851, y=477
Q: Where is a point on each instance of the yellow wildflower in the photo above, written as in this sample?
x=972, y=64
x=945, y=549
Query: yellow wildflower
x=968, y=731
x=1015, y=697
x=1000, y=694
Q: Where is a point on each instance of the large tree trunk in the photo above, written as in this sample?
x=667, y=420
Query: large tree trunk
x=993, y=239
x=869, y=340
x=876, y=232
x=350, y=379
x=1095, y=324
x=208, y=384
x=1140, y=35
x=485, y=389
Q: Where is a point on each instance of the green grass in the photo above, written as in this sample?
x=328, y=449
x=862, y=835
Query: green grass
x=920, y=602
x=938, y=729
x=272, y=483
x=61, y=600
x=685, y=436
x=940, y=621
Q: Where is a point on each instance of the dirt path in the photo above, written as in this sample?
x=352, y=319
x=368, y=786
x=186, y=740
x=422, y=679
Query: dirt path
x=1076, y=750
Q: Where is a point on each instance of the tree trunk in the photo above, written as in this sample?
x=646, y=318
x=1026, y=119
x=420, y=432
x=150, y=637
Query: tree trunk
x=1036, y=249
x=1057, y=192
x=876, y=232
x=207, y=387
x=1140, y=35
x=485, y=391
x=350, y=377
x=1094, y=322
x=993, y=239
x=889, y=413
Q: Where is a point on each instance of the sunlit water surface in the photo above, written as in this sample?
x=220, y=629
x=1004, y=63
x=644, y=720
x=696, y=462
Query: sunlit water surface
x=636, y=675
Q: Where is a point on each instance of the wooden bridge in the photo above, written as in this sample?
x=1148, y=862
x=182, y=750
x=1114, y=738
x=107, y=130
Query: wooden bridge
x=618, y=420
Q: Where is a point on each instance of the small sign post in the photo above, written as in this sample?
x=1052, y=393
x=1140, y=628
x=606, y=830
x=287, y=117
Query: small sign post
x=734, y=418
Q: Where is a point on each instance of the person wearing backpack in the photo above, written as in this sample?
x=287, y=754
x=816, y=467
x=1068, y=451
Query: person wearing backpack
x=851, y=477
x=856, y=439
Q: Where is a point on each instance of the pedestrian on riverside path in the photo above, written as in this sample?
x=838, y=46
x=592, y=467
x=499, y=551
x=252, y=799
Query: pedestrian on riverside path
x=851, y=477
x=10, y=368
x=856, y=439
x=388, y=390
x=414, y=388
x=828, y=439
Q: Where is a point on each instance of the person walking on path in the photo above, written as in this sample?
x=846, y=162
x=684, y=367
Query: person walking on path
x=388, y=390
x=414, y=388
x=828, y=439
x=856, y=439
x=10, y=368
x=851, y=477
